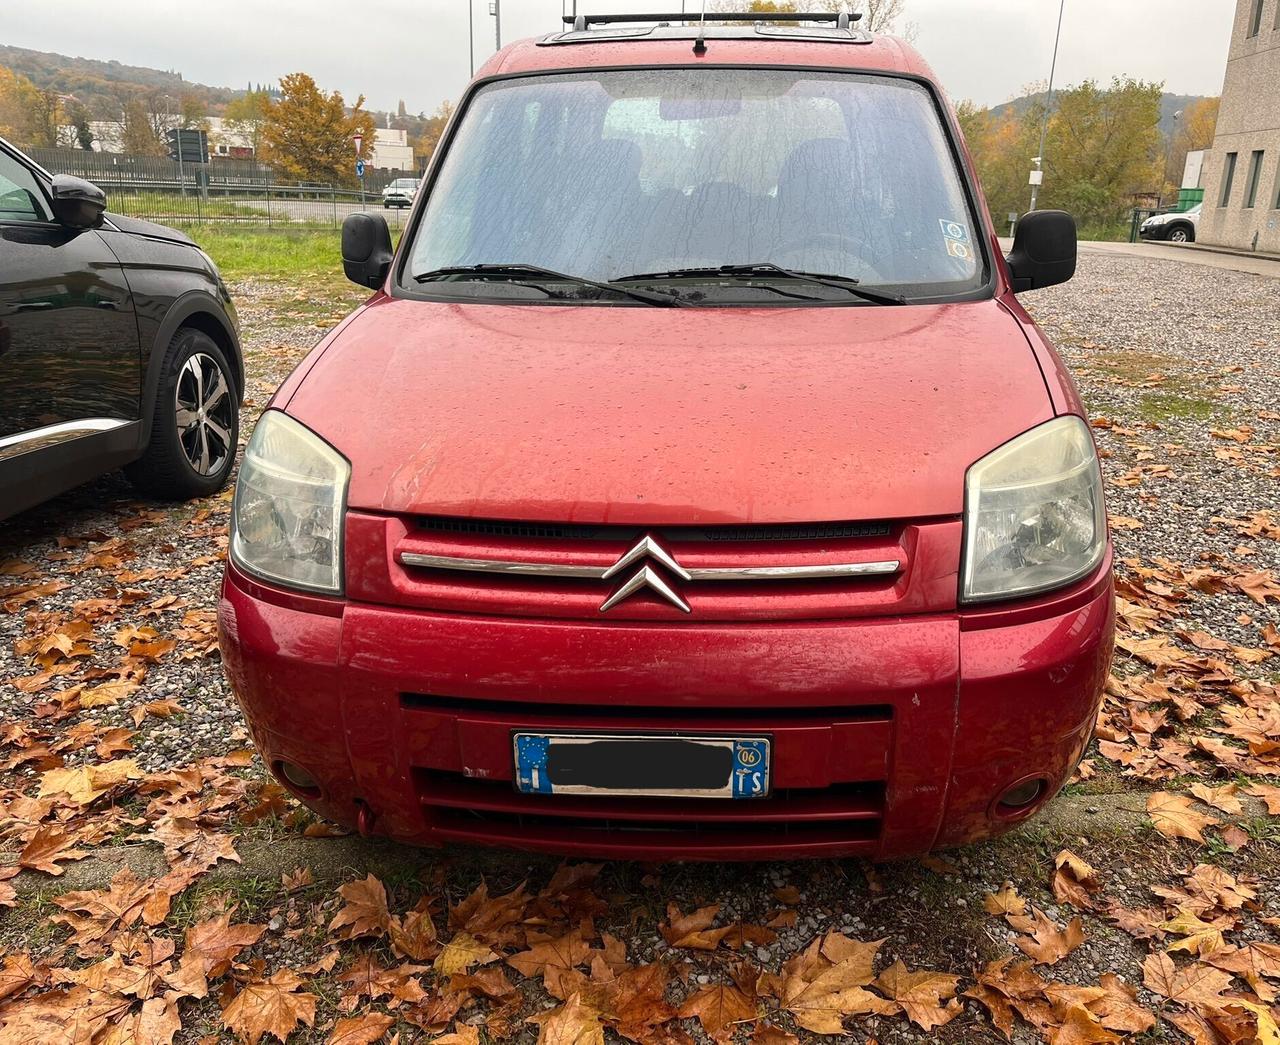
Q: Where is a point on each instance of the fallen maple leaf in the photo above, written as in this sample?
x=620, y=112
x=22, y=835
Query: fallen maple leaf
x=83, y=784
x=461, y=953
x=719, y=1008
x=693, y=930
x=215, y=942
x=365, y=912
x=1074, y=881
x=921, y=994
x=1196, y=984
x=552, y=959
x=364, y=1029
x=271, y=1006
x=1048, y=944
x=46, y=847
x=1175, y=816
x=824, y=984
x=1080, y=1027
x=569, y=1024
x=1223, y=797
x=1005, y=901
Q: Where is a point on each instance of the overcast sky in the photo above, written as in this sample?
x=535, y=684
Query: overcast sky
x=987, y=50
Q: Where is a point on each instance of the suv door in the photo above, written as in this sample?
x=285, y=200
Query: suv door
x=69, y=353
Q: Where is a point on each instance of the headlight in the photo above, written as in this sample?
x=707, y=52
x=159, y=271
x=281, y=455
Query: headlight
x=286, y=521
x=1034, y=517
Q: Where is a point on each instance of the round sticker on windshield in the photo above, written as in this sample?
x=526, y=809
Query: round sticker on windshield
x=958, y=250
x=953, y=230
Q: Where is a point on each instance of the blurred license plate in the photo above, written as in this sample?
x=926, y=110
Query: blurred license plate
x=639, y=764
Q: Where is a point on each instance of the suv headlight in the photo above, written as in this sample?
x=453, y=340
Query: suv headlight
x=286, y=520
x=1034, y=517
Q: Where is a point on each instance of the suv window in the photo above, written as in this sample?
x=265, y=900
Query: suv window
x=20, y=195
x=606, y=174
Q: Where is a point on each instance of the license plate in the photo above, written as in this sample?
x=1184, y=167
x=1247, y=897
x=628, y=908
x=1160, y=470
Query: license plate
x=656, y=765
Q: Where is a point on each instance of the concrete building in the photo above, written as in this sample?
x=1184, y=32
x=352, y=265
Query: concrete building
x=391, y=150
x=1242, y=169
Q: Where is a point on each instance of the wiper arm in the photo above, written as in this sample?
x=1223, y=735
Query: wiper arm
x=515, y=270
x=849, y=284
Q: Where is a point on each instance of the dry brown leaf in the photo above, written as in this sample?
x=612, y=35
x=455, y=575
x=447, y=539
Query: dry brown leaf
x=83, y=784
x=719, y=1008
x=1175, y=816
x=461, y=953
x=47, y=846
x=693, y=930
x=569, y=1024
x=824, y=984
x=1197, y=984
x=1074, y=881
x=364, y=1029
x=271, y=1006
x=921, y=994
x=365, y=912
x=1005, y=901
x=1080, y=1027
x=216, y=942
x=1223, y=797
x=1048, y=944
x=553, y=959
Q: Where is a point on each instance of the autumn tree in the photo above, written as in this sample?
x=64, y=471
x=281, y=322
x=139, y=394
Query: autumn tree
x=19, y=108
x=246, y=117
x=878, y=16
x=1102, y=146
x=138, y=134
x=424, y=145
x=307, y=133
x=1194, y=130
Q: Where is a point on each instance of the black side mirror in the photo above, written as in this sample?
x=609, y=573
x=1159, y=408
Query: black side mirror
x=1044, y=250
x=366, y=249
x=77, y=204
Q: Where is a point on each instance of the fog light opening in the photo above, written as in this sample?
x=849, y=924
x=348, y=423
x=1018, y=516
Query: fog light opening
x=1021, y=796
x=297, y=779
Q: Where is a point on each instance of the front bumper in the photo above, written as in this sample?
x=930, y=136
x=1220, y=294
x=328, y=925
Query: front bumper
x=892, y=736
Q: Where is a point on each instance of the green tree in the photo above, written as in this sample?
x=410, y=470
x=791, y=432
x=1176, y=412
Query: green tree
x=246, y=117
x=195, y=113
x=307, y=134
x=138, y=134
x=78, y=119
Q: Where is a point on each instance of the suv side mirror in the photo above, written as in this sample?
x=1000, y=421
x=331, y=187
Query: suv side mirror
x=366, y=249
x=1044, y=250
x=77, y=204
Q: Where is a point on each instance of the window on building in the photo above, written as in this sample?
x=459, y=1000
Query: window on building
x=1255, y=172
x=1255, y=18
x=1228, y=176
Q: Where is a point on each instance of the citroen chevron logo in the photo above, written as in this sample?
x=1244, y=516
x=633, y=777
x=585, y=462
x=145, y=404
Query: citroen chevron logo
x=646, y=577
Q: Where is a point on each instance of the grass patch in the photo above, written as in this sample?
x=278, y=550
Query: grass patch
x=311, y=255
x=1166, y=406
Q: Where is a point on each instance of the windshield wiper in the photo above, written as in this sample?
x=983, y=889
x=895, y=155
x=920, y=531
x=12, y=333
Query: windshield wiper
x=515, y=270
x=849, y=284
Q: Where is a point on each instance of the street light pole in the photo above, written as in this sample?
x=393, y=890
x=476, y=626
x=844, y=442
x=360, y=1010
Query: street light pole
x=471, y=35
x=1048, y=106
x=497, y=23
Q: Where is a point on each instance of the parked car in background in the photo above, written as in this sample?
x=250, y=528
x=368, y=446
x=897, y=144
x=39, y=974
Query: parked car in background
x=1174, y=226
x=693, y=484
x=400, y=193
x=119, y=347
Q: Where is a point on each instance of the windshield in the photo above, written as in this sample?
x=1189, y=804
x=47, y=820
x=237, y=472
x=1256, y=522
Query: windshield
x=608, y=175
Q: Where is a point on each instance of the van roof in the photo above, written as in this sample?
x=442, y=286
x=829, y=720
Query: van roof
x=626, y=44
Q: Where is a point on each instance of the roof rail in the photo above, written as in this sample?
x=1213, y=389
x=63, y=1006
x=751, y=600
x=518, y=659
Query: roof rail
x=842, y=19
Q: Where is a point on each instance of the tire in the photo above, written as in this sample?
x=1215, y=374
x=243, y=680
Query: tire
x=193, y=459
x=1181, y=234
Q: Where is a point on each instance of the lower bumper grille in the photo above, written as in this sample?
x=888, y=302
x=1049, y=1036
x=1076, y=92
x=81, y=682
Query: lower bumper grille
x=846, y=817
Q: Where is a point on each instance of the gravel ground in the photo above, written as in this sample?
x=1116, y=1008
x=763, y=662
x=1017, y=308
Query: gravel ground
x=1165, y=354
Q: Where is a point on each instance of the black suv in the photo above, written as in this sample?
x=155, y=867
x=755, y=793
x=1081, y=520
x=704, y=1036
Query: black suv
x=119, y=346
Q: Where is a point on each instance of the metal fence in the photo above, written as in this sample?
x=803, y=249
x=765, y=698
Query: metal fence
x=286, y=206
x=226, y=190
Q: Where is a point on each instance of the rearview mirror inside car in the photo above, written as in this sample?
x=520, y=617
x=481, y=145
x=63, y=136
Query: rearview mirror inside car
x=366, y=249
x=77, y=204
x=1044, y=250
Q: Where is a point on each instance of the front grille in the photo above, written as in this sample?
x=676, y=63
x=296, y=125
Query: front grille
x=570, y=531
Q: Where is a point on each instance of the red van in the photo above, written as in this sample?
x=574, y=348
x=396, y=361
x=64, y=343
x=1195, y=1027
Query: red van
x=692, y=485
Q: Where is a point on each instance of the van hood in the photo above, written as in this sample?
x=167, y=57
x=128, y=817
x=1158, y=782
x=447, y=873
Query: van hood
x=657, y=416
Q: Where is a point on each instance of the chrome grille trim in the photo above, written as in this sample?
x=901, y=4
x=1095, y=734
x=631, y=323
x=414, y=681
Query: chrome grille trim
x=742, y=573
